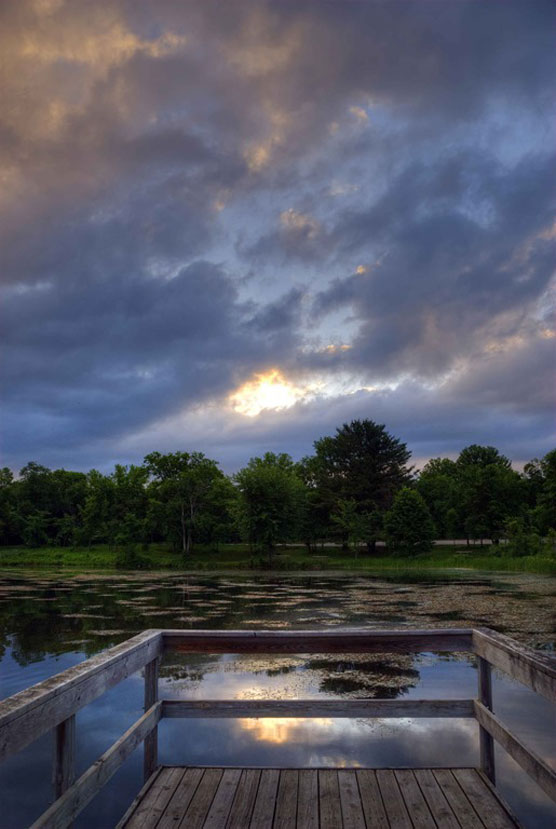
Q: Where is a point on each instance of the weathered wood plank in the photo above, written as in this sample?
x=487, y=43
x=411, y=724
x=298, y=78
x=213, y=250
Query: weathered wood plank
x=457, y=800
x=532, y=668
x=329, y=799
x=342, y=708
x=414, y=800
x=63, y=761
x=350, y=800
x=139, y=798
x=263, y=811
x=371, y=800
x=27, y=715
x=177, y=805
x=155, y=801
x=244, y=801
x=285, y=812
x=487, y=806
x=356, y=640
x=216, y=798
x=197, y=811
x=64, y=810
x=393, y=800
x=437, y=803
x=529, y=761
x=150, y=751
x=308, y=800
x=217, y=817
x=486, y=743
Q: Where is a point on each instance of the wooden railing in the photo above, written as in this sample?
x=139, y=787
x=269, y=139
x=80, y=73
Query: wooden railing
x=52, y=704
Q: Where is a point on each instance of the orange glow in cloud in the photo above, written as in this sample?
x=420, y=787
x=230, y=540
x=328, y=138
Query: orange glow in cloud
x=270, y=390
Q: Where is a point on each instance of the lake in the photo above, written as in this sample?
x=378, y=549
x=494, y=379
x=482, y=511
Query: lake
x=50, y=621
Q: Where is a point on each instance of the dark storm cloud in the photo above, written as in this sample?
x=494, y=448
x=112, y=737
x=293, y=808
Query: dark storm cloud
x=386, y=159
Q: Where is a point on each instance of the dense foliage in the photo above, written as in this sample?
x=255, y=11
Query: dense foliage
x=355, y=489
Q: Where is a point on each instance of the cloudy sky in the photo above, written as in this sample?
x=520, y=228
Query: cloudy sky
x=234, y=226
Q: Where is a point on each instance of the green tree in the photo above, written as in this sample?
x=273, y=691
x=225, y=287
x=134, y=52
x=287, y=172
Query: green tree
x=270, y=503
x=439, y=486
x=361, y=462
x=355, y=525
x=408, y=526
x=35, y=529
x=98, y=522
x=540, y=483
x=10, y=521
x=184, y=482
x=489, y=491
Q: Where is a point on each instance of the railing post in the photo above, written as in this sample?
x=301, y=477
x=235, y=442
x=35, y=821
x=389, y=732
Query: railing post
x=63, y=766
x=486, y=741
x=150, y=755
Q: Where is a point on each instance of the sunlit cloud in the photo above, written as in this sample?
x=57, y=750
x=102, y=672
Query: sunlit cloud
x=299, y=222
x=333, y=348
x=359, y=113
x=270, y=390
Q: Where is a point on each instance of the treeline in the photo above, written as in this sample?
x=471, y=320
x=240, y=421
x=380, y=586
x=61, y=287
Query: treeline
x=355, y=489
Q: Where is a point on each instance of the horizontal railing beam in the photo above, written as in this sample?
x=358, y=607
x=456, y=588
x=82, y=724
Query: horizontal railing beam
x=531, y=668
x=313, y=641
x=536, y=768
x=27, y=715
x=63, y=811
x=350, y=708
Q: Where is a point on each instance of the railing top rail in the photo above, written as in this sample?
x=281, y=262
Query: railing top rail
x=35, y=710
x=531, y=667
x=346, y=640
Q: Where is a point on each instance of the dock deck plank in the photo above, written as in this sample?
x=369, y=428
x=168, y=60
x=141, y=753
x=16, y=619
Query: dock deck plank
x=224, y=798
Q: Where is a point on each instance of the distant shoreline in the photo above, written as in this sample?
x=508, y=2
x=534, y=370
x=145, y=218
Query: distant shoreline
x=290, y=558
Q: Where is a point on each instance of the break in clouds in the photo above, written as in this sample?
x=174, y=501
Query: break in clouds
x=232, y=227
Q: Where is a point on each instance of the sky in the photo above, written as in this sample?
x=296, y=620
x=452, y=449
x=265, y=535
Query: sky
x=233, y=227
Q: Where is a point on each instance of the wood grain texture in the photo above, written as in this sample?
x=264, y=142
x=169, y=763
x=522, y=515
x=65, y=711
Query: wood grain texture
x=457, y=800
x=414, y=800
x=371, y=800
x=341, y=708
x=64, y=810
x=308, y=799
x=63, y=761
x=350, y=800
x=329, y=799
x=27, y=715
x=486, y=743
x=177, y=805
x=285, y=813
x=393, y=801
x=150, y=749
x=529, y=761
x=532, y=668
x=234, y=798
x=489, y=809
x=244, y=801
x=194, y=817
x=263, y=811
x=217, y=817
x=437, y=803
x=356, y=640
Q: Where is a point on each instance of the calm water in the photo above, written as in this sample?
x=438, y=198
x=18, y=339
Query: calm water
x=49, y=622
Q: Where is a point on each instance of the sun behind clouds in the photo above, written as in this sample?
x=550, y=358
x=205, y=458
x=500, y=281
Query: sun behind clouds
x=270, y=390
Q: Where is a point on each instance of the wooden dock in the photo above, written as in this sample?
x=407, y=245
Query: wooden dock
x=305, y=798
x=233, y=798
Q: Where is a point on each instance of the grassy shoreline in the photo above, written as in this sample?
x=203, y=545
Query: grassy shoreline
x=239, y=557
